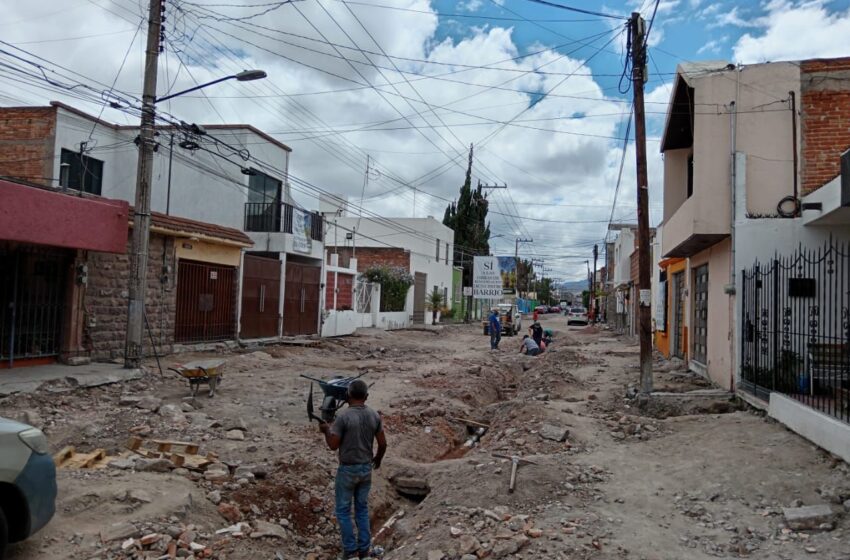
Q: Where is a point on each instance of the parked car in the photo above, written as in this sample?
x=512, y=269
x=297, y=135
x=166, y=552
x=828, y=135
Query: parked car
x=542, y=309
x=510, y=318
x=577, y=315
x=555, y=309
x=27, y=482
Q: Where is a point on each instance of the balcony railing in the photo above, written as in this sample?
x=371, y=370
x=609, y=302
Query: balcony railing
x=266, y=217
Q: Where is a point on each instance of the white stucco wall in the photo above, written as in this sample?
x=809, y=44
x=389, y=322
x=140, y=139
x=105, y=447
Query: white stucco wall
x=624, y=246
x=203, y=187
x=417, y=235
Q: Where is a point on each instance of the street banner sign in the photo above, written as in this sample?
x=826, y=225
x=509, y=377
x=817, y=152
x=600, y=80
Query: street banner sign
x=493, y=277
x=507, y=270
x=301, y=226
x=486, y=280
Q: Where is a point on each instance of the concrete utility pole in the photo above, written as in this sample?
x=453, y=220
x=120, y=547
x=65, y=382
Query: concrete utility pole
x=516, y=258
x=144, y=177
x=637, y=29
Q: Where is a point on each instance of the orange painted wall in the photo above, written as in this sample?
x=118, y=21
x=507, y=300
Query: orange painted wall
x=662, y=338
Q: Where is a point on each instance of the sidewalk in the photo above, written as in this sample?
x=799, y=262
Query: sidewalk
x=29, y=379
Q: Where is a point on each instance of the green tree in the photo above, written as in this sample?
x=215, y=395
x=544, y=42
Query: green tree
x=525, y=276
x=468, y=218
x=544, y=291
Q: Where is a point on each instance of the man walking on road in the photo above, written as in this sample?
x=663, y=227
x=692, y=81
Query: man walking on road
x=352, y=433
x=495, y=330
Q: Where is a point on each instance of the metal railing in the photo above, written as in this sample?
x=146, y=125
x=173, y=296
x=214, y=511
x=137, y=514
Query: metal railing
x=266, y=217
x=795, y=335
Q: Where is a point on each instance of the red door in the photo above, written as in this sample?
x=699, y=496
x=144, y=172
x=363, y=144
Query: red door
x=260, y=297
x=301, y=299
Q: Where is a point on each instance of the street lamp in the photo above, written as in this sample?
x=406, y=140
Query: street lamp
x=244, y=76
x=144, y=176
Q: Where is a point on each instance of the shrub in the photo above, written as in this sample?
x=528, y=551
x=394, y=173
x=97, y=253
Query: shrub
x=395, y=283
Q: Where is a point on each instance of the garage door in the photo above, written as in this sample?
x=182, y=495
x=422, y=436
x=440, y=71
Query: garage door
x=260, y=297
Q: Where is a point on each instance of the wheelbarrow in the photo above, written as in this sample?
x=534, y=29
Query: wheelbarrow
x=200, y=372
x=335, y=396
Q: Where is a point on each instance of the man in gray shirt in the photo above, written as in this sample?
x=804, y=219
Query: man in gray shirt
x=352, y=434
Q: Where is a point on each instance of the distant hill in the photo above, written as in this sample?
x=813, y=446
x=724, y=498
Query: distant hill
x=574, y=286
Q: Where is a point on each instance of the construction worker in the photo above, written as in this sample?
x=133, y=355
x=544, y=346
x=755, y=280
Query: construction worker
x=495, y=327
x=353, y=433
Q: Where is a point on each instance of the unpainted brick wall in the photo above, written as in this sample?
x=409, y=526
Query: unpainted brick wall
x=106, y=300
x=344, y=297
x=27, y=135
x=367, y=257
x=825, y=120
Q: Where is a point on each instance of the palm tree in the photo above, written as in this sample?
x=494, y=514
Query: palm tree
x=434, y=303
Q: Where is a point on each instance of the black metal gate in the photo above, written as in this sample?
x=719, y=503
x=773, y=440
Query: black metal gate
x=795, y=335
x=678, y=349
x=701, y=314
x=32, y=301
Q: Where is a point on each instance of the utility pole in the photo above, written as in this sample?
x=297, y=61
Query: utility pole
x=594, y=287
x=637, y=29
x=144, y=177
x=516, y=258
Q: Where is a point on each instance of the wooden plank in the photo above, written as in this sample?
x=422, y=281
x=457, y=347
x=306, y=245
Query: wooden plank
x=134, y=443
x=85, y=460
x=64, y=454
x=166, y=445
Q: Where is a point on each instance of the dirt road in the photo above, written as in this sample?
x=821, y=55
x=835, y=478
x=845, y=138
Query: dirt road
x=678, y=479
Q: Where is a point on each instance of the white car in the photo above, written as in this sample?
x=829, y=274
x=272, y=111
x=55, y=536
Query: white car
x=576, y=315
x=27, y=482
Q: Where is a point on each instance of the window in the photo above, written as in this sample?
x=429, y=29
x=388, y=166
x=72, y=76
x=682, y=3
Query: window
x=447, y=252
x=438, y=250
x=263, y=188
x=690, y=175
x=77, y=170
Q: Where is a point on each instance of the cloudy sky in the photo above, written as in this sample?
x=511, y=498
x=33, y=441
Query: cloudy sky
x=412, y=83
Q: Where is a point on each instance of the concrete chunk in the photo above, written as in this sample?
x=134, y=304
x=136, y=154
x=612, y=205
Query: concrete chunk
x=554, y=433
x=807, y=518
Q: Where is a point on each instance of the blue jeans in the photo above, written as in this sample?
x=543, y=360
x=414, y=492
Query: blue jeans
x=495, y=337
x=353, y=482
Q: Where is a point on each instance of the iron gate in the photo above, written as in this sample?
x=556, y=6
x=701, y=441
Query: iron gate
x=206, y=302
x=32, y=302
x=364, y=297
x=795, y=335
x=701, y=314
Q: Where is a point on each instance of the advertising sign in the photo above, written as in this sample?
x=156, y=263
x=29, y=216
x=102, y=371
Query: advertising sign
x=493, y=277
x=301, y=226
x=507, y=270
x=486, y=280
x=661, y=307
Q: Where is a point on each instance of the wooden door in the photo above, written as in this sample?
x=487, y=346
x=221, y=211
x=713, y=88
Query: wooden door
x=311, y=279
x=260, y=297
x=420, y=292
x=292, y=300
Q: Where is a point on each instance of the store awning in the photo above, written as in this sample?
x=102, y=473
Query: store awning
x=40, y=216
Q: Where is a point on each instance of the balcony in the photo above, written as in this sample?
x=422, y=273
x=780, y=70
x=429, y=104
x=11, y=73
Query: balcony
x=265, y=217
x=699, y=223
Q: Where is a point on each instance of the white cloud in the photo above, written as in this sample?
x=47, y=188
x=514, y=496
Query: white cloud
x=793, y=31
x=470, y=5
x=572, y=159
x=712, y=46
x=733, y=18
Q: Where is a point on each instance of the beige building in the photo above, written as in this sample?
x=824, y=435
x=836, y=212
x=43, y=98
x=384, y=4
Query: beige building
x=751, y=156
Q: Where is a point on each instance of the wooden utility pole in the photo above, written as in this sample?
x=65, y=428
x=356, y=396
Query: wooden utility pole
x=593, y=303
x=144, y=176
x=637, y=29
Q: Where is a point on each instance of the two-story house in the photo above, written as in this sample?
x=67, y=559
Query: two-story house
x=230, y=253
x=756, y=227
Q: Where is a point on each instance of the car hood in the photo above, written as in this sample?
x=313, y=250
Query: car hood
x=8, y=426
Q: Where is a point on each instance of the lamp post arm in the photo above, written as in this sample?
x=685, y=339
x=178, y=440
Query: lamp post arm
x=196, y=88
